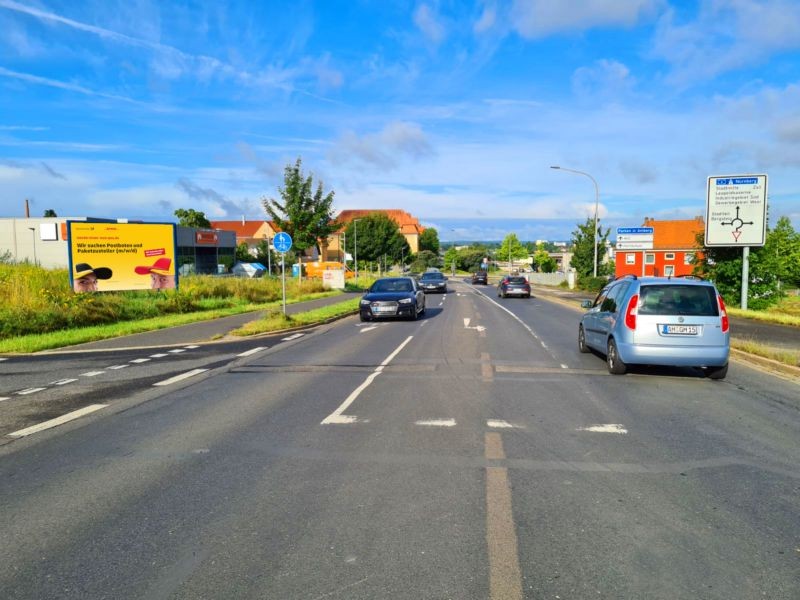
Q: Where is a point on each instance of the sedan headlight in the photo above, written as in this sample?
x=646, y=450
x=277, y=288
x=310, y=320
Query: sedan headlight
x=365, y=302
x=405, y=301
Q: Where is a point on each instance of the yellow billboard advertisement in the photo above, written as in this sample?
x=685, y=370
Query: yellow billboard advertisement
x=105, y=257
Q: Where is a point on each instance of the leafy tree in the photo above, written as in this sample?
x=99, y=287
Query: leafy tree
x=304, y=214
x=511, y=249
x=424, y=260
x=189, y=217
x=264, y=255
x=451, y=257
x=470, y=258
x=543, y=261
x=783, y=246
x=378, y=236
x=243, y=253
x=583, y=247
x=429, y=240
x=49, y=213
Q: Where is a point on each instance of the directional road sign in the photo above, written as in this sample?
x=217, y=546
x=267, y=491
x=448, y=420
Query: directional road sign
x=634, y=238
x=282, y=242
x=736, y=210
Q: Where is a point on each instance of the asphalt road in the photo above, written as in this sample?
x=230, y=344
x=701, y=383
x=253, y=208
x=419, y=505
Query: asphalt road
x=472, y=454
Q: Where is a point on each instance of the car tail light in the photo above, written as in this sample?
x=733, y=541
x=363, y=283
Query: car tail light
x=726, y=324
x=630, y=314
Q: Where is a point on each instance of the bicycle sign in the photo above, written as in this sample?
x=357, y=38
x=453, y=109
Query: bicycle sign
x=282, y=242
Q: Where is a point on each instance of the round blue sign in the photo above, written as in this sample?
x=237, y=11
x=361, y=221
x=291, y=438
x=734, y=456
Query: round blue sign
x=282, y=242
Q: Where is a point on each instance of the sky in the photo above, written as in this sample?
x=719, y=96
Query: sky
x=453, y=110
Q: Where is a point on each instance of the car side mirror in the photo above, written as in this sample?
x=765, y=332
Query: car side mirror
x=586, y=304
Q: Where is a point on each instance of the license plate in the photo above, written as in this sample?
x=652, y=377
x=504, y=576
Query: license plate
x=679, y=329
x=383, y=309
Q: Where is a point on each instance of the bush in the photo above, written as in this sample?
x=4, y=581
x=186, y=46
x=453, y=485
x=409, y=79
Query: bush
x=592, y=284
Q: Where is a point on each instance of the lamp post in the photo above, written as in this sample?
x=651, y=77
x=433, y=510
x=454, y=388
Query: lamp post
x=33, y=235
x=269, y=256
x=596, y=203
x=355, y=245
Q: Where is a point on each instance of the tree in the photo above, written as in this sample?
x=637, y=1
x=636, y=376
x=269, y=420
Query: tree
x=304, y=214
x=378, y=236
x=451, y=257
x=429, y=240
x=511, y=249
x=49, y=213
x=543, y=261
x=425, y=260
x=189, y=217
x=583, y=247
x=783, y=247
x=243, y=253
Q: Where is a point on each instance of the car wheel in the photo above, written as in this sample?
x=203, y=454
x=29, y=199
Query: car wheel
x=422, y=312
x=615, y=364
x=582, y=347
x=414, y=314
x=363, y=317
x=717, y=372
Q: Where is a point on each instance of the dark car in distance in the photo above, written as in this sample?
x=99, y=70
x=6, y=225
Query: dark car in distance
x=480, y=277
x=393, y=297
x=514, y=285
x=433, y=281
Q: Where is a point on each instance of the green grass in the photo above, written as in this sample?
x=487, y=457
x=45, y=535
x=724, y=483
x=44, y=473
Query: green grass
x=787, y=357
x=277, y=321
x=786, y=312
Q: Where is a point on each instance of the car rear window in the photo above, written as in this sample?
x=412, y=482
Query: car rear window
x=433, y=276
x=694, y=300
x=517, y=280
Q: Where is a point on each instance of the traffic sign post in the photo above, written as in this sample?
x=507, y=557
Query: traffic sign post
x=283, y=243
x=736, y=215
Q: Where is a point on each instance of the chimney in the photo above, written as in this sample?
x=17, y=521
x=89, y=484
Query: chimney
x=27, y=209
x=243, y=220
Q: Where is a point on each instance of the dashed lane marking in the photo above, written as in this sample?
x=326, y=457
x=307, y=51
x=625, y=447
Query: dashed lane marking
x=2, y=359
x=181, y=377
x=292, y=337
x=57, y=421
x=606, y=428
x=63, y=381
x=116, y=367
x=501, y=424
x=140, y=360
x=30, y=391
x=177, y=350
x=92, y=373
x=158, y=355
x=252, y=351
x=437, y=423
x=363, y=329
x=4, y=398
x=563, y=366
x=191, y=347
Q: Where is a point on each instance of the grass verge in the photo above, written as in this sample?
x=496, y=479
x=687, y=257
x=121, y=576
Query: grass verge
x=787, y=357
x=70, y=337
x=277, y=321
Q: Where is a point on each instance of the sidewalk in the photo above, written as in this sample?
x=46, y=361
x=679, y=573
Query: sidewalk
x=202, y=331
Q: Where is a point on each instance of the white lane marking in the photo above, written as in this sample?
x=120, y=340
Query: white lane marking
x=181, y=377
x=606, y=428
x=190, y=347
x=442, y=302
x=2, y=359
x=500, y=424
x=292, y=337
x=158, y=355
x=563, y=366
x=57, y=421
x=30, y=391
x=4, y=398
x=368, y=328
x=437, y=423
x=177, y=350
x=92, y=373
x=117, y=367
x=336, y=417
x=252, y=351
x=140, y=360
x=466, y=322
x=63, y=381
x=543, y=344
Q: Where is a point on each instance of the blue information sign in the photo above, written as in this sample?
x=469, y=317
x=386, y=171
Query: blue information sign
x=282, y=242
x=634, y=230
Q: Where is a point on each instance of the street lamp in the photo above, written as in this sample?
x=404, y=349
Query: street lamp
x=596, y=202
x=355, y=245
x=33, y=235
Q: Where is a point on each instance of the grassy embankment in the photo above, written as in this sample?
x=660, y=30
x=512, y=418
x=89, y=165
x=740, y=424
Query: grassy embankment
x=786, y=312
x=39, y=311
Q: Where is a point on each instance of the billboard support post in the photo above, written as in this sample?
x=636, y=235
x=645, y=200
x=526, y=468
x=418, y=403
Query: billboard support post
x=745, y=274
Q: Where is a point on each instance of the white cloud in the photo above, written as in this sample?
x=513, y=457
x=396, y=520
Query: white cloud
x=605, y=77
x=429, y=24
x=386, y=149
x=539, y=18
x=487, y=19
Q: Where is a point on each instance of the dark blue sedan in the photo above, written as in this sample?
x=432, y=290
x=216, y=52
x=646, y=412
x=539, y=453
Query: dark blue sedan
x=393, y=297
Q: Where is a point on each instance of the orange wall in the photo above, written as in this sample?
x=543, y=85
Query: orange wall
x=657, y=269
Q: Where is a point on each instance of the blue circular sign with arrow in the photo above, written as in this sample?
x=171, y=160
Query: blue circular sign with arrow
x=282, y=242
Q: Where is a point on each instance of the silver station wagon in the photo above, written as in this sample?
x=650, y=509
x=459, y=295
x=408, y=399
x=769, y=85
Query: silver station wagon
x=658, y=321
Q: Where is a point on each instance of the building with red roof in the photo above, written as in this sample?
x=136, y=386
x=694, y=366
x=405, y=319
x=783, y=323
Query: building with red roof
x=674, y=250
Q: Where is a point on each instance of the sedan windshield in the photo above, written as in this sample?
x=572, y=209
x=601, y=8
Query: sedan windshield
x=432, y=276
x=390, y=285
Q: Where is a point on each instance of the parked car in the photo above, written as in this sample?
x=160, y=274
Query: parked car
x=480, y=277
x=658, y=321
x=513, y=285
x=394, y=297
x=433, y=281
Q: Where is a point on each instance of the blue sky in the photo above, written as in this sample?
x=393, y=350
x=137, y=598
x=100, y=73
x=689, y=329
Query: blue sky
x=453, y=110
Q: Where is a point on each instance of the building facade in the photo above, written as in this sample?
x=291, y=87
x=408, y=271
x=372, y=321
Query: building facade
x=674, y=250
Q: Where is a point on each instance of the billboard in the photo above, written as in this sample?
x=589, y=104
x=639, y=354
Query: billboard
x=106, y=257
x=736, y=210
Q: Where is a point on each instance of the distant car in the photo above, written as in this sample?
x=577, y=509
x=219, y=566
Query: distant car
x=658, y=321
x=433, y=281
x=396, y=297
x=513, y=285
x=480, y=277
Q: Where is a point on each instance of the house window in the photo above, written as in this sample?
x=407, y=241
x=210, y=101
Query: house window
x=687, y=258
x=669, y=270
x=649, y=259
x=630, y=258
x=669, y=256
